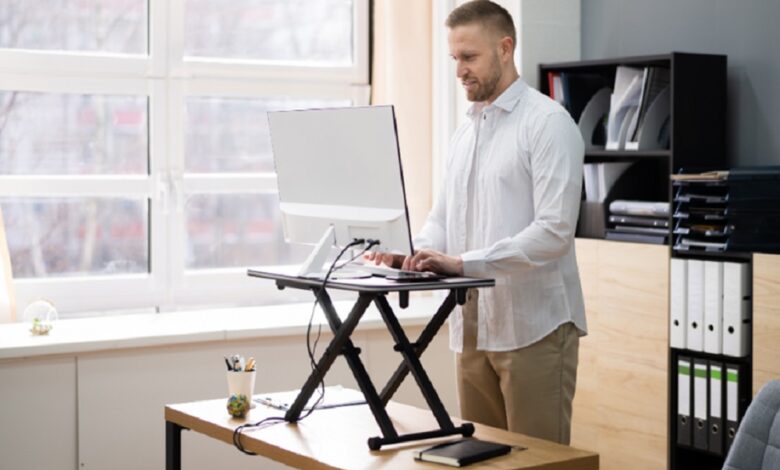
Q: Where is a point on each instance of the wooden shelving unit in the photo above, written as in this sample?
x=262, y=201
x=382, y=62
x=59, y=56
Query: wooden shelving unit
x=626, y=380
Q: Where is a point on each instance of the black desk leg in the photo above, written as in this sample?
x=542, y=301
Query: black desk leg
x=461, y=294
x=172, y=446
x=425, y=338
x=403, y=299
x=334, y=349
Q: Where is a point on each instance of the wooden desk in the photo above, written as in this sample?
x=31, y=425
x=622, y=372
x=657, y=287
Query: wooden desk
x=336, y=438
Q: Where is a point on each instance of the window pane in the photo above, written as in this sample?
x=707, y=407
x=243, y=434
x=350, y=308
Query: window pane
x=76, y=236
x=231, y=135
x=114, y=26
x=237, y=230
x=309, y=31
x=53, y=133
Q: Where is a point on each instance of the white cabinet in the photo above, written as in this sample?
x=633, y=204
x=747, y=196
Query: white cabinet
x=38, y=414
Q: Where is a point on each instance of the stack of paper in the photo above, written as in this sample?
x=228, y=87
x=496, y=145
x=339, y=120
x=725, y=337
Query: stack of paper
x=639, y=221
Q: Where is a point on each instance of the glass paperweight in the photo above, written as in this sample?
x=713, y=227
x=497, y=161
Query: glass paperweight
x=41, y=315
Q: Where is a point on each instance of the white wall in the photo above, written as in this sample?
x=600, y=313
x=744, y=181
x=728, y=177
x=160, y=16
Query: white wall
x=105, y=410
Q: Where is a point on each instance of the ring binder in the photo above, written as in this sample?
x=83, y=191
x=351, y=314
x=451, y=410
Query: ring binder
x=684, y=401
x=695, y=327
x=715, y=418
x=700, y=430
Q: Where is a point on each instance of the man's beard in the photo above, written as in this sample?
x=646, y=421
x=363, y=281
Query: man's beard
x=486, y=89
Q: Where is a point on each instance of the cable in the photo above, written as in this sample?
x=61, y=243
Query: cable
x=333, y=268
x=237, y=432
x=312, y=350
x=369, y=244
x=271, y=420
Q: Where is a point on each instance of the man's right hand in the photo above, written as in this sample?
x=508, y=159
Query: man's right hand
x=394, y=261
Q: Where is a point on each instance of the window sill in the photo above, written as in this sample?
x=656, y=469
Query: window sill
x=82, y=335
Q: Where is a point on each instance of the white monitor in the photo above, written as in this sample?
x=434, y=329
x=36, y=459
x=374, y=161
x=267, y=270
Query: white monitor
x=340, y=179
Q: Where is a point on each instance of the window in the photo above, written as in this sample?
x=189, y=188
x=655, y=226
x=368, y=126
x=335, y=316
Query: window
x=135, y=162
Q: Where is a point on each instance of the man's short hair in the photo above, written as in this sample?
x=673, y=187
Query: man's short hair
x=491, y=15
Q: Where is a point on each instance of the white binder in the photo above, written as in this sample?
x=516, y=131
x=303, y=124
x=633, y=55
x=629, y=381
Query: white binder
x=695, y=327
x=736, y=309
x=713, y=307
x=678, y=299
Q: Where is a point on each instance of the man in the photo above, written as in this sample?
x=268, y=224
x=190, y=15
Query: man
x=508, y=209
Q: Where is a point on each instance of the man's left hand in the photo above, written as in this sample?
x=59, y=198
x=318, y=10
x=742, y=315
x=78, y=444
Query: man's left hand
x=434, y=261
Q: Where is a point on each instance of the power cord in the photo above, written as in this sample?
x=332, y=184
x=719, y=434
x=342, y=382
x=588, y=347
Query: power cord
x=271, y=420
x=370, y=243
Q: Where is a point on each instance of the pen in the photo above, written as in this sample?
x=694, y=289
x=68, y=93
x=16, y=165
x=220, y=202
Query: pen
x=227, y=363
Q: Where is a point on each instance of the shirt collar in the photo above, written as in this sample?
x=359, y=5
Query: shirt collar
x=506, y=100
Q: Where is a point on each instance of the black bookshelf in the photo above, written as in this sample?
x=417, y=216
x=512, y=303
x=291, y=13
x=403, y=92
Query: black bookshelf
x=697, y=127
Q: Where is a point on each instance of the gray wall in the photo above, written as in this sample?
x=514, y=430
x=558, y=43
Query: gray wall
x=747, y=31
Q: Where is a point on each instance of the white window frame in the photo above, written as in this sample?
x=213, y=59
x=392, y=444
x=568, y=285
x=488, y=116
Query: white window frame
x=357, y=74
x=229, y=285
x=167, y=79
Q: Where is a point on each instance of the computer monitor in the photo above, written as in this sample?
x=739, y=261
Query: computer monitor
x=340, y=179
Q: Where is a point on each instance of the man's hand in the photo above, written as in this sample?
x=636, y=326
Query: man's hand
x=394, y=261
x=434, y=261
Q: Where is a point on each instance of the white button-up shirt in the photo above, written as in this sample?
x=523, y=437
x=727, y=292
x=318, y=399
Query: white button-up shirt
x=508, y=206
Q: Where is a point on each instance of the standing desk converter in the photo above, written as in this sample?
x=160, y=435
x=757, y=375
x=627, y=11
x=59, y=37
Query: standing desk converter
x=374, y=290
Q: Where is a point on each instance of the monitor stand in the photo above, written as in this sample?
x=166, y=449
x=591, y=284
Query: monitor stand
x=312, y=267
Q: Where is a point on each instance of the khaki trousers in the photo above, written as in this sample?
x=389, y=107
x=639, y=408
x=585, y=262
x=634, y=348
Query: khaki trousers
x=527, y=390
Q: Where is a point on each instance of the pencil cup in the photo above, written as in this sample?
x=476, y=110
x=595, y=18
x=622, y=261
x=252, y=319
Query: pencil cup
x=241, y=383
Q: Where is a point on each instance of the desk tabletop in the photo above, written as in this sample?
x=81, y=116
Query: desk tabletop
x=337, y=438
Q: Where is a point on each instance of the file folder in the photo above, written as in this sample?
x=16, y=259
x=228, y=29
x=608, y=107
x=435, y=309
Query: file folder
x=736, y=309
x=678, y=298
x=700, y=431
x=715, y=419
x=733, y=403
x=695, y=305
x=684, y=401
x=713, y=307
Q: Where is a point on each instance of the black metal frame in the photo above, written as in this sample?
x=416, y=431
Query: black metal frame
x=411, y=352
